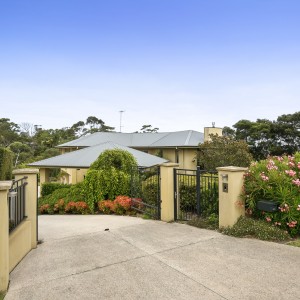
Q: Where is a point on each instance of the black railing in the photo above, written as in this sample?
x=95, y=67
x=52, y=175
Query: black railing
x=17, y=203
x=195, y=193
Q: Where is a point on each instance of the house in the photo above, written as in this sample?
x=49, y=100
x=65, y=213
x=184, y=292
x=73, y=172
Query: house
x=148, y=148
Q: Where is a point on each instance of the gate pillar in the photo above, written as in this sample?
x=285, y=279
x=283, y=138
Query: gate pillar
x=4, y=235
x=230, y=188
x=167, y=191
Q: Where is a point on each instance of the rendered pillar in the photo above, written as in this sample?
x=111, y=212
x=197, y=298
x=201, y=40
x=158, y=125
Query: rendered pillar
x=167, y=191
x=230, y=188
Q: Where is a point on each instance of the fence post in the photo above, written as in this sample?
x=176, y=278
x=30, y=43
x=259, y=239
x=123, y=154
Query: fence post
x=4, y=235
x=31, y=195
x=230, y=188
x=167, y=191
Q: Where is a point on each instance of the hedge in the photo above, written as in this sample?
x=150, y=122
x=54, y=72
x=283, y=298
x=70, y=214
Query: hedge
x=6, y=162
x=49, y=187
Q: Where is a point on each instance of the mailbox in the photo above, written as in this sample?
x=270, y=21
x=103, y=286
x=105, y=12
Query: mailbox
x=268, y=206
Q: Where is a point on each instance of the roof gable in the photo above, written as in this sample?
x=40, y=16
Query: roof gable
x=85, y=157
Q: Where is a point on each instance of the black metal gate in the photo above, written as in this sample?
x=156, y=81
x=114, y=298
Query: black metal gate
x=145, y=191
x=196, y=193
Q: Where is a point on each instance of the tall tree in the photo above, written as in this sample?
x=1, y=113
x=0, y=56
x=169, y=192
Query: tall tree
x=9, y=132
x=223, y=151
x=148, y=128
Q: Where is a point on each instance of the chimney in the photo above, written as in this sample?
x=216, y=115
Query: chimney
x=212, y=130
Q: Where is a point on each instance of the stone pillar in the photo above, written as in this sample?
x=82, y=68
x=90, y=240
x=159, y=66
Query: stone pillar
x=4, y=235
x=230, y=188
x=31, y=199
x=167, y=191
x=44, y=175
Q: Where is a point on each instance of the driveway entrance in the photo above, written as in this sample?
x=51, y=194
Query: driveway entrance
x=113, y=257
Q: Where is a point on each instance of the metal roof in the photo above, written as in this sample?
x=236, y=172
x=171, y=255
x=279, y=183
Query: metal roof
x=186, y=138
x=85, y=157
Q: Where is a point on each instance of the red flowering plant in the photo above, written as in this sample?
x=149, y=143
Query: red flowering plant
x=45, y=209
x=122, y=204
x=106, y=206
x=275, y=179
x=59, y=206
x=79, y=207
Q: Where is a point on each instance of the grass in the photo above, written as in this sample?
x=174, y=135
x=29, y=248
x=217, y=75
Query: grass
x=259, y=229
x=295, y=243
x=211, y=222
x=246, y=228
x=2, y=295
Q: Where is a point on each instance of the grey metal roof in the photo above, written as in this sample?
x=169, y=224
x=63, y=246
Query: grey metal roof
x=186, y=138
x=85, y=157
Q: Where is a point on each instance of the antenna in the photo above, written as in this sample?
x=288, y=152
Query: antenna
x=121, y=112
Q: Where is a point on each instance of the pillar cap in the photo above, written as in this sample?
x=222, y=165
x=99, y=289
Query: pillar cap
x=25, y=171
x=169, y=165
x=5, y=185
x=232, y=169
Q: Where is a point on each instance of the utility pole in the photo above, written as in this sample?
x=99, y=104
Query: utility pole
x=121, y=112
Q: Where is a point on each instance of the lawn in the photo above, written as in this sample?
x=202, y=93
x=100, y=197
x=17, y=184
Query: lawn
x=295, y=243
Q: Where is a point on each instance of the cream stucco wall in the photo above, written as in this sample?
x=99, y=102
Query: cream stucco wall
x=73, y=175
x=19, y=243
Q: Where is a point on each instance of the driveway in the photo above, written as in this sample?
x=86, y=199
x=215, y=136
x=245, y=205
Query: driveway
x=113, y=257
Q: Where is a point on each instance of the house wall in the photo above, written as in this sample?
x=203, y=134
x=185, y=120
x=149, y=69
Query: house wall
x=67, y=150
x=186, y=156
x=73, y=175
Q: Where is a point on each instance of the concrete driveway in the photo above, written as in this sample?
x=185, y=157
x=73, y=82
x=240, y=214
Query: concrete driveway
x=145, y=259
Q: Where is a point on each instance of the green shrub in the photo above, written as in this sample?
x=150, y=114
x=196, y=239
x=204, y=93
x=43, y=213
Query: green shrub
x=275, y=179
x=209, y=194
x=49, y=187
x=249, y=227
x=149, y=190
x=109, y=176
x=117, y=159
x=6, y=162
x=52, y=203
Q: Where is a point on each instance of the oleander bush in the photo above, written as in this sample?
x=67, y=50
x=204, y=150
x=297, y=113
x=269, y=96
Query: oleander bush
x=275, y=179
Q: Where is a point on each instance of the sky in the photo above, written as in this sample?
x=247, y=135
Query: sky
x=175, y=65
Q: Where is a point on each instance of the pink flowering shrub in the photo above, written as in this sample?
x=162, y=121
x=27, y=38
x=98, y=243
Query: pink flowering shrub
x=275, y=179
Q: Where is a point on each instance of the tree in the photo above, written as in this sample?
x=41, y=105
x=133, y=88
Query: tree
x=267, y=137
x=91, y=125
x=148, y=128
x=223, y=151
x=8, y=132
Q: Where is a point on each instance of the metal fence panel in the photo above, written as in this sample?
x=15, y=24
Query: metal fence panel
x=145, y=191
x=195, y=193
x=17, y=203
